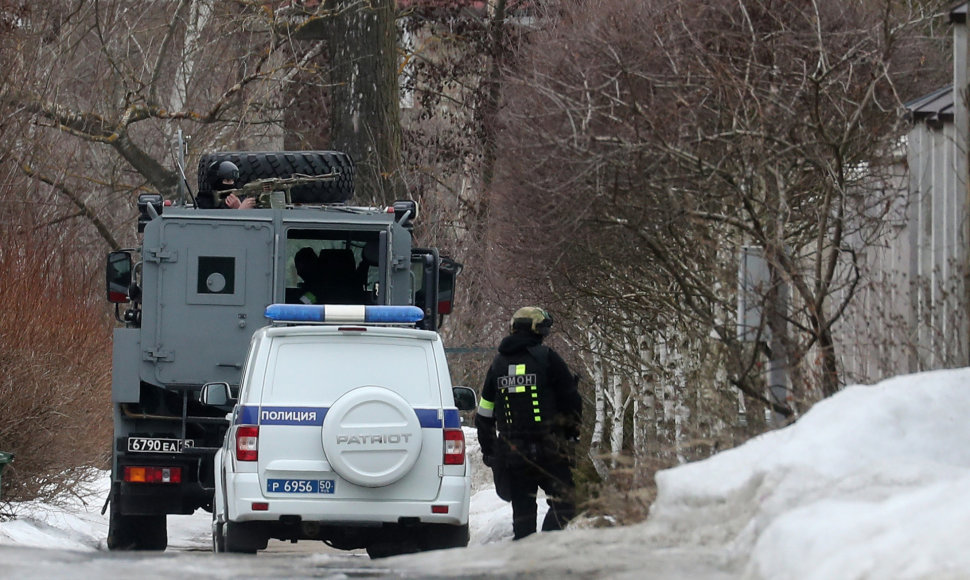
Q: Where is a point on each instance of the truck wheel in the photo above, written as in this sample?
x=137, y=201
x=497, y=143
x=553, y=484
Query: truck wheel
x=136, y=532
x=255, y=165
x=153, y=532
x=121, y=531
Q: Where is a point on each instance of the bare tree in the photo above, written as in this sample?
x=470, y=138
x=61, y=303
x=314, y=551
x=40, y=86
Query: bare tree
x=647, y=142
x=455, y=58
x=364, y=109
x=105, y=86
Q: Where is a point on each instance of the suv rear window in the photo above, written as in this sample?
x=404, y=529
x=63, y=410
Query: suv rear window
x=322, y=370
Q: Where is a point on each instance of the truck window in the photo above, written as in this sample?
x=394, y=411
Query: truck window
x=217, y=275
x=346, y=270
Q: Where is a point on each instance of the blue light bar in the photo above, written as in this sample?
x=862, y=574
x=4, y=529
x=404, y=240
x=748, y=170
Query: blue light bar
x=343, y=313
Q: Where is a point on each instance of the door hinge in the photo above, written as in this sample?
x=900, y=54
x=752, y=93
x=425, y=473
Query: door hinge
x=158, y=354
x=160, y=255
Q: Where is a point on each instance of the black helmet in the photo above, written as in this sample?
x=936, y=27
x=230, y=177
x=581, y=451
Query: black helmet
x=531, y=318
x=221, y=172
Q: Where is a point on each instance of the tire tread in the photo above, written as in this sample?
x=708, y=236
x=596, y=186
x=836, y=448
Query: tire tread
x=255, y=165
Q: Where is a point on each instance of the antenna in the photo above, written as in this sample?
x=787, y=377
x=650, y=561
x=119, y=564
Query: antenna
x=181, y=149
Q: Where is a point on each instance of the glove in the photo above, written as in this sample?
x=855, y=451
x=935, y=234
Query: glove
x=487, y=460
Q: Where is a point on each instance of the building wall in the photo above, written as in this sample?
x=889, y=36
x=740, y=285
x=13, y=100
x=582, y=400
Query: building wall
x=910, y=314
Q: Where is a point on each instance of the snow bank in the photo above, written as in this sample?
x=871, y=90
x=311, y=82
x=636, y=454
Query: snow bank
x=847, y=491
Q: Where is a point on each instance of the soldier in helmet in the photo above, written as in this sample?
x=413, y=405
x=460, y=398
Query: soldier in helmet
x=528, y=418
x=222, y=177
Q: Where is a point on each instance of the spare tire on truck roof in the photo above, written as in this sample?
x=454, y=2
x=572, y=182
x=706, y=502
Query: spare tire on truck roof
x=255, y=165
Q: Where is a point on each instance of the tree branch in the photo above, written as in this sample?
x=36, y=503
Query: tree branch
x=84, y=209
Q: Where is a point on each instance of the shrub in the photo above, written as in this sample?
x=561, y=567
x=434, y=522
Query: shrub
x=55, y=362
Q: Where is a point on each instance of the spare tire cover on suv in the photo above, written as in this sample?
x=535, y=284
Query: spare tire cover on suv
x=372, y=436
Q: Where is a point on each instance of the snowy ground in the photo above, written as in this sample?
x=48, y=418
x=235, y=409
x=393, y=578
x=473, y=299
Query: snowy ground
x=871, y=483
x=79, y=525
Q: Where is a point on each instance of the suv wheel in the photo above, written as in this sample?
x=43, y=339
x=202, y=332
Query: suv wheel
x=218, y=536
x=391, y=548
x=442, y=536
x=242, y=538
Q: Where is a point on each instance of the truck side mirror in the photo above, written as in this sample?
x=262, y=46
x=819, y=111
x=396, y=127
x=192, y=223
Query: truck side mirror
x=448, y=270
x=118, y=277
x=406, y=212
x=465, y=398
x=216, y=395
x=149, y=207
x=424, y=274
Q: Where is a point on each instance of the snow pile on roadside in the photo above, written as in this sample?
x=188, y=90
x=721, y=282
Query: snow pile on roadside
x=869, y=483
x=75, y=523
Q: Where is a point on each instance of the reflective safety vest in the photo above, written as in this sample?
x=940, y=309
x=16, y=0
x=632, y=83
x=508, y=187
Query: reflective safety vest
x=525, y=403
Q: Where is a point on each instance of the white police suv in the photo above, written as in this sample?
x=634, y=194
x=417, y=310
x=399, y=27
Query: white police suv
x=346, y=430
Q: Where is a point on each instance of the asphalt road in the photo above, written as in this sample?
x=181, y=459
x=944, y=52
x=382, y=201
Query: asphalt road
x=574, y=559
x=304, y=560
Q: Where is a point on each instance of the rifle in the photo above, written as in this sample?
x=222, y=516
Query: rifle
x=273, y=192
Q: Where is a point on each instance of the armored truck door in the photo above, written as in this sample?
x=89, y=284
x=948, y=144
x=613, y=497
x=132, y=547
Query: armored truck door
x=207, y=284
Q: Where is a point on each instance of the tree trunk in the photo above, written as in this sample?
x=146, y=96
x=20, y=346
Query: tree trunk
x=644, y=417
x=599, y=419
x=830, y=369
x=366, y=115
x=617, y=406
x=493, y=94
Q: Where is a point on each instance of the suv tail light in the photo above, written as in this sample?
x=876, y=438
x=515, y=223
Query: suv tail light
x=454, y=447
x=247, y=443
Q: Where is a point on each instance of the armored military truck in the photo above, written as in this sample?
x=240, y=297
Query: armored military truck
x=194, y=292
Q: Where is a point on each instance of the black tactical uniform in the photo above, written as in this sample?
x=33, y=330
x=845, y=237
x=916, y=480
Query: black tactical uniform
x=527, y=420
x=222, y=177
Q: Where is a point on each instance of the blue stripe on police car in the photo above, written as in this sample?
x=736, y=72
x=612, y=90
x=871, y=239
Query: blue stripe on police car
x=313, y=416
x=301, y=416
